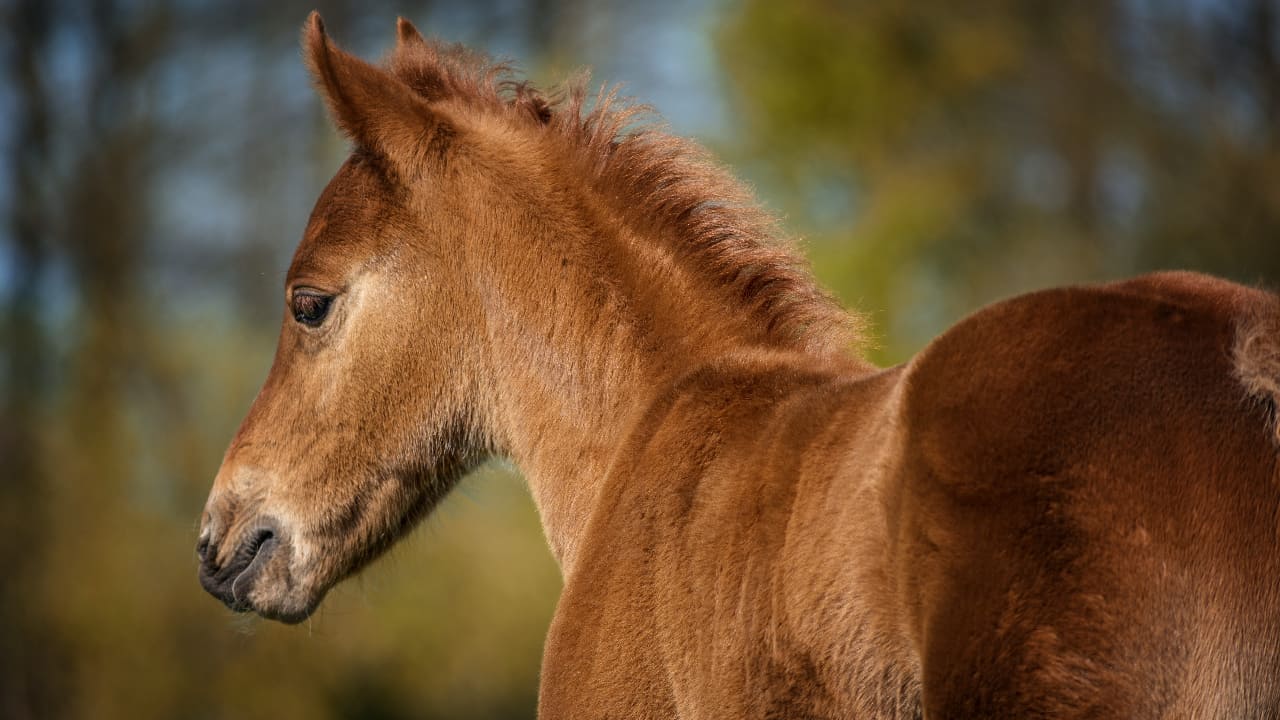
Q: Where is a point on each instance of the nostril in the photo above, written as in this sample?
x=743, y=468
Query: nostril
x=259, y=539
x=206, y=548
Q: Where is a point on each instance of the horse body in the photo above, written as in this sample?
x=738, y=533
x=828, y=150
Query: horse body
x=1105, y=495
x=1026, y=521
x=1066, y=506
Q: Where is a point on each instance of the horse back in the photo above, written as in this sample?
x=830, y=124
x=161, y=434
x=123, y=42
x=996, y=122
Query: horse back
x=1088, y=516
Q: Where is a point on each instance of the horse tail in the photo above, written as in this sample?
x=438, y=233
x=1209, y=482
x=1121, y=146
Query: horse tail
x=1257, y=358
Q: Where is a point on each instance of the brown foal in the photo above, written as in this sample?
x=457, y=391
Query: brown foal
x=1066, y=506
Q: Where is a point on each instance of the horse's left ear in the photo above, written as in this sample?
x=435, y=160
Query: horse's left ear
x=407, y=35
x=369, y=104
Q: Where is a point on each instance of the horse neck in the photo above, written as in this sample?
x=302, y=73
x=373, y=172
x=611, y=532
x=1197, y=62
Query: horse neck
x=580, y=341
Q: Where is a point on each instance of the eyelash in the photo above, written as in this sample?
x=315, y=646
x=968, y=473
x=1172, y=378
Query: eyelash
x=310, y=308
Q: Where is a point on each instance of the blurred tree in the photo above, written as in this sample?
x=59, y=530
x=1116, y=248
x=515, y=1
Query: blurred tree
x=24, y=636
x=945, y=154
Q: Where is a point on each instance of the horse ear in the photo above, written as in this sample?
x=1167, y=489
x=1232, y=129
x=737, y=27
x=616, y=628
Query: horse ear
x=407, y=35
x=368, y=104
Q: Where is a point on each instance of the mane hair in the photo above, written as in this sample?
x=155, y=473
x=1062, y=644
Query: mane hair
x=714, y=222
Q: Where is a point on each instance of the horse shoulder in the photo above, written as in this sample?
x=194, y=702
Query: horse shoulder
x=676, y=592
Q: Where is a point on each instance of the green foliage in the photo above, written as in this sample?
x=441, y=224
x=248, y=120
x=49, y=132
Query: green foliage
x=941, y=155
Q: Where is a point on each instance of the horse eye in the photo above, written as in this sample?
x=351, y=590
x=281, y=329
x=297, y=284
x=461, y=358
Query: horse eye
x=310, y=309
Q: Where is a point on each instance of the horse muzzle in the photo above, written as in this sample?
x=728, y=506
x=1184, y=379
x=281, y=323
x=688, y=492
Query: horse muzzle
x=230, y=577
x=249, y=570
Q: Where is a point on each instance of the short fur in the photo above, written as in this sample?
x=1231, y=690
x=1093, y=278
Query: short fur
x=1066, y=506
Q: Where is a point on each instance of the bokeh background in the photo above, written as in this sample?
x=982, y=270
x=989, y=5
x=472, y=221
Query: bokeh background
x=159, y=161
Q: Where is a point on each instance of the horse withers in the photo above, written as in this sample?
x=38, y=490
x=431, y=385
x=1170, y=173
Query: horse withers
x=1065, y=506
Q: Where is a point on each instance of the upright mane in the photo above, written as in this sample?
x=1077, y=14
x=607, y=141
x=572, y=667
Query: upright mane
x=714, y=223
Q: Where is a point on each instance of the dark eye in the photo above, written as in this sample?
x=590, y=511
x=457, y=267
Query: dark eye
x=310, y=307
